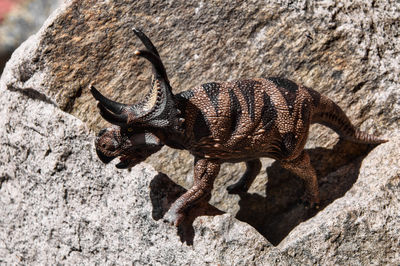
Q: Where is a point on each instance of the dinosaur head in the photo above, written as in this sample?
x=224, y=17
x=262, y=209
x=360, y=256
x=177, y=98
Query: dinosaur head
x=131, y=148
x=130, y=138
x=158, y=110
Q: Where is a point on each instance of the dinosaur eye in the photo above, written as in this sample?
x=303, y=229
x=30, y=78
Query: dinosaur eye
x=130, y=129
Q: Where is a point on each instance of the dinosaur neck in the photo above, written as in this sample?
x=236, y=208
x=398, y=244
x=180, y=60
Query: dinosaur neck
x=172, y=139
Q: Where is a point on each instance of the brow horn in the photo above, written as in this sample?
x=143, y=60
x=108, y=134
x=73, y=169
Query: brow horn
x=158, y=66
x=110, y=110
x=111, y=105
x=146, y=41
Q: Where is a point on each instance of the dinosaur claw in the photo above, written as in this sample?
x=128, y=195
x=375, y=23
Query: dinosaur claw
x=309, y=202
x=173, y=217
x=121, y=165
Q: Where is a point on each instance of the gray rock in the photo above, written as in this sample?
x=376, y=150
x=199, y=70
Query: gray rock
x=60, y=204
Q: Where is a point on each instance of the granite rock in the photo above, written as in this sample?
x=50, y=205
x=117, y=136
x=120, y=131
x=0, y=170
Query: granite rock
x=60, y=204
x=67, y=207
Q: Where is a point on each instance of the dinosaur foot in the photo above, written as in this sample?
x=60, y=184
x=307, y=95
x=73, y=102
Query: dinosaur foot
x=310, y=202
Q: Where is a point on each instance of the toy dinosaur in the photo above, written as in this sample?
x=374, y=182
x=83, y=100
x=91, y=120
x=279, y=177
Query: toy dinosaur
x=217, y=122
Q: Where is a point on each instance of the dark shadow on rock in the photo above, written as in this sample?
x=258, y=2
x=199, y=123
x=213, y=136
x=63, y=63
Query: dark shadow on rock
x=164, y=192
x=4, y=57
x=277, y=214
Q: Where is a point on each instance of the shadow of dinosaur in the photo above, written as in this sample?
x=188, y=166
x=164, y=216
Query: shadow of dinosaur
x=275, y=215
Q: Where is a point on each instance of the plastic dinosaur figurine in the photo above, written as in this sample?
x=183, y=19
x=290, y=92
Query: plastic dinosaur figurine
x=217, y=122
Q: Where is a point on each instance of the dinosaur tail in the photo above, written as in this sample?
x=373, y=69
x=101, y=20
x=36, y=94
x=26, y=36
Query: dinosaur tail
x=331, y=115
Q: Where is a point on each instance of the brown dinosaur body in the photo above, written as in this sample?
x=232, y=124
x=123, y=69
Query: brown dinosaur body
x=219, y=122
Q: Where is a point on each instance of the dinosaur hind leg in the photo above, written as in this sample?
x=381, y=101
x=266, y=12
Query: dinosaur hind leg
x=244, y=183
x=301, y=166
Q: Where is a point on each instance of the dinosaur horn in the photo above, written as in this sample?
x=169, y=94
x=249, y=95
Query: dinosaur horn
x=120, y=119
x=152, y=55
x=158, y=66
x=158, y=109
x=111, y=105
x=146, y=41
x=110, y=110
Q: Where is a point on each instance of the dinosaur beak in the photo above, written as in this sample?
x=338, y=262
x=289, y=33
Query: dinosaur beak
x=105, y=159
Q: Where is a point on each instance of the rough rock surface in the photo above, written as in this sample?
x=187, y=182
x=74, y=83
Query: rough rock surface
x=59, y=204
x=347, y=50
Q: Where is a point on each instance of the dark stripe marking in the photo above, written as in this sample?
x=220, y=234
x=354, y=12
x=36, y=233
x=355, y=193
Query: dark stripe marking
x=305, y=112
x=315, y=96
x=268, y=112
x=288, y=89
x=212, y=91
x=201, y=127
x=285, y=83
x=288, y=144
x=235, y=110
x=185, y=94
x=247, y=89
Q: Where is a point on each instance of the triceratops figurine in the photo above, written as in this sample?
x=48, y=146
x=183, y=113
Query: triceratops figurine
x=217, y=122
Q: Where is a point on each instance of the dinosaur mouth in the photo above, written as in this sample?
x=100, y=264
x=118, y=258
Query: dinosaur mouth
x=127, y=161
x=104, y=157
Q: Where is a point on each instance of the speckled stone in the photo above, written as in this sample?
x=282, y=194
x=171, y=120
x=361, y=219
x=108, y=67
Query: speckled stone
x=60, y=204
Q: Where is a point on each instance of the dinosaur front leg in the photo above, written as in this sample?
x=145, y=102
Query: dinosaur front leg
x=302, y=167
x=244, y=183
x=205, y=172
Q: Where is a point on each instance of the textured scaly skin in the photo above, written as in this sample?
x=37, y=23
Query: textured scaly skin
x=244, y=120
x=235, y=121
x=247, y=119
